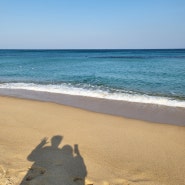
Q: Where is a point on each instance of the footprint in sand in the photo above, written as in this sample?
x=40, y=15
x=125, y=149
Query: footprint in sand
x=6, y=178
x=34, y=172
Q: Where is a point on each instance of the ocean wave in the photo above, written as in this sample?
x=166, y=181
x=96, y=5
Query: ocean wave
x=96, y=93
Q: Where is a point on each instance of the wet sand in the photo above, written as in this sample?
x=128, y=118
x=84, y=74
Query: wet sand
x=141, y=111
x=95, y=148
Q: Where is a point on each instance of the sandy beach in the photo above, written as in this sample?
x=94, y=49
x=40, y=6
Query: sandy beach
x=47, y=143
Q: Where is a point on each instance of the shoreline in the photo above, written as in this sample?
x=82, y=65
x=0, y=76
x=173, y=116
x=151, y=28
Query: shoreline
x=132, y=110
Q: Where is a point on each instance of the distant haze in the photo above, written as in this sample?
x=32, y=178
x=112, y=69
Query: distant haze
x=83, y=24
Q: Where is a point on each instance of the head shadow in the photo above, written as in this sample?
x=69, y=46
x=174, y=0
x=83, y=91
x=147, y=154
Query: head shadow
x=56, y=140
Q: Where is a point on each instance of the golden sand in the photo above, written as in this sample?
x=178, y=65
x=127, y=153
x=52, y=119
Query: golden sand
x=94, y=148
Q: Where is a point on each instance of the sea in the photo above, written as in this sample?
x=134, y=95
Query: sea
x=154, y=76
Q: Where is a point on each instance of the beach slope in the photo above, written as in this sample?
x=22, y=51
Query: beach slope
x=47, y=143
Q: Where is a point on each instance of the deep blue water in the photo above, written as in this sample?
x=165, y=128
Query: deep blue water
x=151, y=76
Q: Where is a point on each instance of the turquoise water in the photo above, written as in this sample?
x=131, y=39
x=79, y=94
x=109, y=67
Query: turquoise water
x=149, y=76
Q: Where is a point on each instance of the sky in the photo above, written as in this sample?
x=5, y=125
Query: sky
x=92, y=24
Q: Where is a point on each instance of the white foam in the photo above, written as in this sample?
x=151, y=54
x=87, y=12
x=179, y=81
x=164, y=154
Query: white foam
x=97, y=93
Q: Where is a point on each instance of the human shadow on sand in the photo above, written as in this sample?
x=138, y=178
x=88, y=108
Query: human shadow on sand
x=54, y=165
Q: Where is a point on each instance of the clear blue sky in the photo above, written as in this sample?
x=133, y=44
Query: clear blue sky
x=67, y=24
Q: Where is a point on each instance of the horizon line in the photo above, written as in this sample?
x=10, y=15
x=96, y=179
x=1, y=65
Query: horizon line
x=91, y=49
